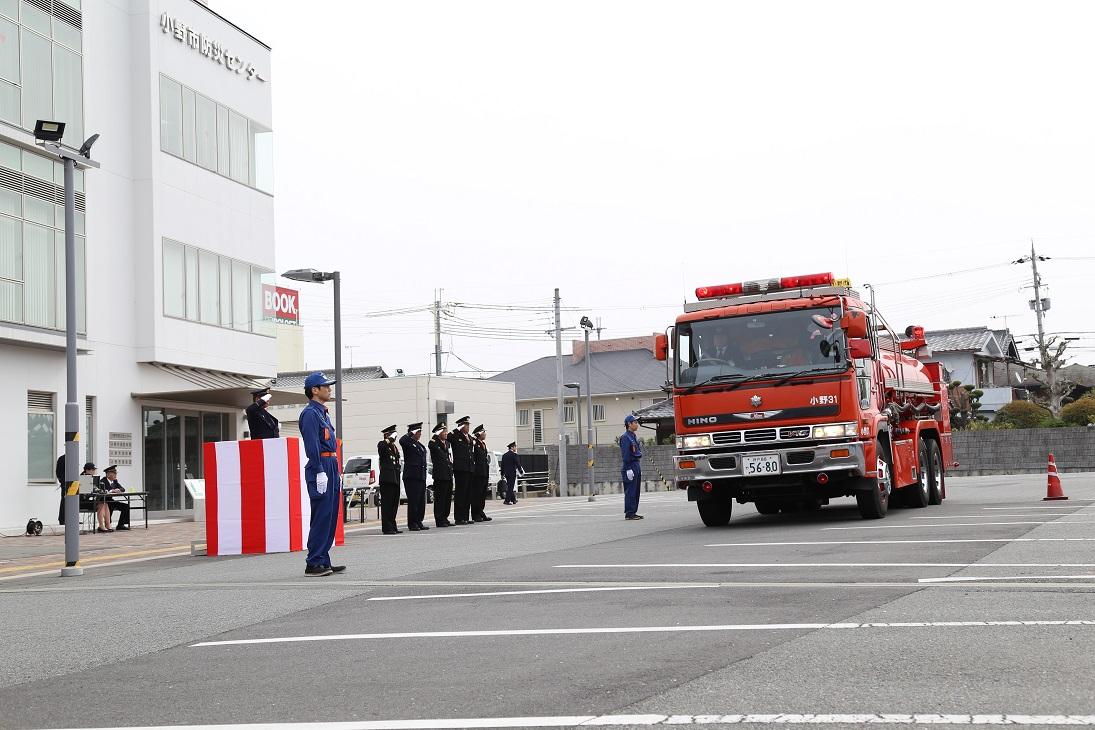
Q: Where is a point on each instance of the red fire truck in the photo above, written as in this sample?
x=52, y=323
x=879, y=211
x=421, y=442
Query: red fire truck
x=793, y=391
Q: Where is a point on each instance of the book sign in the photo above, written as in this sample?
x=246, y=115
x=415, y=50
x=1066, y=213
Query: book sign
x=280, y=304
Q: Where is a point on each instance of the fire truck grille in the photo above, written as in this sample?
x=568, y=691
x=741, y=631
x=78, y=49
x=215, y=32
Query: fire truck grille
x=796, y=432
x=760, y=434
x=727, y=437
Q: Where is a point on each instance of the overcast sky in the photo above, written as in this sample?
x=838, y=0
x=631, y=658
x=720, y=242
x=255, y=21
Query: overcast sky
x=628, y=152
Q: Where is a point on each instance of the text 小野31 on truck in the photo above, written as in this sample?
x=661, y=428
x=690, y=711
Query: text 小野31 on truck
x=792, y=391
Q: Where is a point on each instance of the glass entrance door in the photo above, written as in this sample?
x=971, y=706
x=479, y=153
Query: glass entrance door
x=173, y=452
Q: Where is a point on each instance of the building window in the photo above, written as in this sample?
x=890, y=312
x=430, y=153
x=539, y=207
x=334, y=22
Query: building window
x=197, y=129
x=522, y=417
x=202, y=286
x=599, y=412
x=32, y=241
x=41, y=437
x=537, y=427
x=568, y=413
x=89, y=428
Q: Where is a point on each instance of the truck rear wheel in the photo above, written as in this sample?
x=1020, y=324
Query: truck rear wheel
x=874, y=501
x=715, y=512
x=935, y=474
x=767, y=506
x=918, y=495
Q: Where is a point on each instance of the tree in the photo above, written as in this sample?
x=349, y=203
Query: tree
x=965, y=402
x=1080, y=412
x=1052, y=358
x=1022, y=414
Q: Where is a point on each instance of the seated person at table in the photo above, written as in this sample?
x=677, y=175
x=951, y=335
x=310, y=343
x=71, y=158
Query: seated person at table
x=102, y=512
x=109, y=483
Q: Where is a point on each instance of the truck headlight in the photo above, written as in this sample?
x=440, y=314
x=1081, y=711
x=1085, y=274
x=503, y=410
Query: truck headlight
x=696, y=442
x=834, y=430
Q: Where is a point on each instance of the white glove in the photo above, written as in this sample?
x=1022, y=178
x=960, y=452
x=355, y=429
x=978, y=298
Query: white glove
x=321, y=483
x=630, y=475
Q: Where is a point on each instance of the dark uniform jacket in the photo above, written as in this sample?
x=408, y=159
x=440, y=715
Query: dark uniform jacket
x=461, y=451
x=414, y=459
x=388, y=455
x=441, y=460
x=482, y=459
x=261, y=422
x=511, y=465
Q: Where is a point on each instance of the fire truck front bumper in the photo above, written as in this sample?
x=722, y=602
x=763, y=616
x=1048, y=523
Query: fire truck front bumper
x=791, y=463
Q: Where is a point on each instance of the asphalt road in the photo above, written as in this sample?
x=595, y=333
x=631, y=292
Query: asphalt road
x=559, y=612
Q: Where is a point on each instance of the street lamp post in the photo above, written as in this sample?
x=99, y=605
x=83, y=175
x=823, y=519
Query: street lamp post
x=586, y=327
x=577, y=404
x=311, y=275
x=48, y=136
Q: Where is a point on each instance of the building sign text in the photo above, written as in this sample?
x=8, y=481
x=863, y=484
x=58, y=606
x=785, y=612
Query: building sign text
x=208, y=47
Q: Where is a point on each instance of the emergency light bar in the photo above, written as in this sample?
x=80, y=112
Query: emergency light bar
x=761, y=286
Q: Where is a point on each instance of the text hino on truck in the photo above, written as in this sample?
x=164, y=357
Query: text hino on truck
x=792, y=391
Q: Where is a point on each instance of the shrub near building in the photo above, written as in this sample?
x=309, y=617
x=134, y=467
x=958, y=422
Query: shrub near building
x=1079, y=412
x=1022, y=414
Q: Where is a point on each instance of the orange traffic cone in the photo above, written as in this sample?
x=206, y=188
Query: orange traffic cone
x=1053, y=490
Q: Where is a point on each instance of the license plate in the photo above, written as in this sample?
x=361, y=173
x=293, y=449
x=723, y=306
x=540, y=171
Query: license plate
x=758, y=466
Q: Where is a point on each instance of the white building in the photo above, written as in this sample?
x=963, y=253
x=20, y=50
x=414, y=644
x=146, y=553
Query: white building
x=176, y=237
x=374, y=401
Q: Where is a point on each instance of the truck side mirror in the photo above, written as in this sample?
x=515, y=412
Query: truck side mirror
x=859, y=348
x=854, y=323
x=661, y=348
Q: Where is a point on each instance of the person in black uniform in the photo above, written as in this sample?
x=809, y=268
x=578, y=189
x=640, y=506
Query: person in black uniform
x=110, y=483
x=260, y=422
x=511, y=467
x=462, y=466
x=480, y=483
x=414, y=476
x=441, y=458
x=388, y=455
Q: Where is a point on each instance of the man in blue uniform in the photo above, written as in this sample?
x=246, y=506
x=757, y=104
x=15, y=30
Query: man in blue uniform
x=630, y=453
x=511, y=468
x=321, y=475
x=414, y=476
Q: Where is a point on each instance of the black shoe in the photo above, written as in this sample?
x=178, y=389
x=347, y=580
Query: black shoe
x=122, y=527
x=478, y=519
x=484, y=518
x=461, y=522
x=336, y=568
x=317, y=571
x=393, y=532
x=633, y=517
x=413, y=528
x=443, y=524
x=422, y=527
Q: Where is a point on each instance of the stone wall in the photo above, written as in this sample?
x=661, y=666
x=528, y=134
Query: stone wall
x=1018, y=451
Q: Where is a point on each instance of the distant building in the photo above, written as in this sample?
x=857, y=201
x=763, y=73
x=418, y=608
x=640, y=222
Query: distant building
x=984, y=358
x=626, y=378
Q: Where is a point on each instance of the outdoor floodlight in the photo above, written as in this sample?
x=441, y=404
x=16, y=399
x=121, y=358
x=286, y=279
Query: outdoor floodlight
x=45, y=131
x=572, y=385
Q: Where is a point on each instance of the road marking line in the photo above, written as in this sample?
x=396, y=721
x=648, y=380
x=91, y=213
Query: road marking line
x=94, y=559
x=96, y=565
x=650, y=720
x=986, y=517
x=973, y=579
x=547, y=590
x=960, y=524
x=828, y=565
x=902, y=542
x=642, y=630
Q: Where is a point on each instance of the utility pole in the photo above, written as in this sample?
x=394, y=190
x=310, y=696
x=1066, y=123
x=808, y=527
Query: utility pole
x=599, y=328
x=437, y=334
x=1050, y=361
x=563, y=489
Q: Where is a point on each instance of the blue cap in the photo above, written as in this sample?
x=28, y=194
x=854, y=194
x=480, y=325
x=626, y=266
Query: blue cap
x=629, y=419
x=317, y=379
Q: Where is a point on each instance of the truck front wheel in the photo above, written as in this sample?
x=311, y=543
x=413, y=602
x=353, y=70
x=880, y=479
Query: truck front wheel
x=874, y=501
x=715, y=512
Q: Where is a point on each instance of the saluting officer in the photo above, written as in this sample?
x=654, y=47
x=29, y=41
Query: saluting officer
x=441, y=458
x=414, y=476
x=388, y=455
x=321, y=475
x=261, y=422
x=462, y=466
x=480, y=484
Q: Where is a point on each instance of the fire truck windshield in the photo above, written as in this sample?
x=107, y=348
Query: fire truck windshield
x=759, y=345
